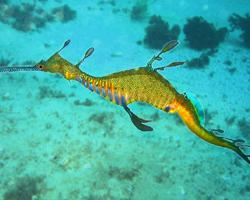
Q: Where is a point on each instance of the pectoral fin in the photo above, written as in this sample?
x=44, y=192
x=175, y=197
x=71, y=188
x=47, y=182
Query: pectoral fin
x=138, y=122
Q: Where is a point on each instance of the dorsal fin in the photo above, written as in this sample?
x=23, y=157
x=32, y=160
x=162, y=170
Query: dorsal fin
x=198, y=108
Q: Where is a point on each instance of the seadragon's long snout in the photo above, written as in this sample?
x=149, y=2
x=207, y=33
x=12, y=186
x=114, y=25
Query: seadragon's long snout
x=6, y=69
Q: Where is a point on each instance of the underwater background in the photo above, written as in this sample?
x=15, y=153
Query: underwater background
x=59, y=140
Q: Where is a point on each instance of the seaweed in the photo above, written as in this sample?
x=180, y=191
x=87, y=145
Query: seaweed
x=139, y=11
x=198, y=63
x=243, y=23
x=21, y=17
x=201, y=34
x=158, y=32
x=64, y=13
x=25, y=188
x=27, y=17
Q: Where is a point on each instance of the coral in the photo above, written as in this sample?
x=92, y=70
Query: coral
x=199, y=63
x=24, y=189
x=201, y=34
x=158, y=32
x=139, y=11
x=242, y=23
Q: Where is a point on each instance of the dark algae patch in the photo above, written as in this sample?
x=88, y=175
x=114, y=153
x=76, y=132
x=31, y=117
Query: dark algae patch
x=243, y=23
x=198, y=63
x=202, y=61
x=87, y=102
x=99, y=118
x=231, y=70
x=64, y=13
x=201, y=34
x=123, y=174
x=209, y=116
x=139, y=11
x=109, y=2
x=45, y=92
x=230, y=120
x=26, y=188
x=244, y=127
x=26, y=17
x=158, y=32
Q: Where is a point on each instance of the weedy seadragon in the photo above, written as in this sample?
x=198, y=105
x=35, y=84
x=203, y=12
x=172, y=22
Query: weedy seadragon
x=142, y=84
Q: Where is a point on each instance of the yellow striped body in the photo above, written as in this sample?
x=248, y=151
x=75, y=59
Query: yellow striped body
x=132, y=86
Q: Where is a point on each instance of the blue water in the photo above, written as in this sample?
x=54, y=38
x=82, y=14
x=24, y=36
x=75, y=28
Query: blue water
x=60, y=141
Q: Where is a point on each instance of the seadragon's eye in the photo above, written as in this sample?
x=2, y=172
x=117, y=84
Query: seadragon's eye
x=40, y=67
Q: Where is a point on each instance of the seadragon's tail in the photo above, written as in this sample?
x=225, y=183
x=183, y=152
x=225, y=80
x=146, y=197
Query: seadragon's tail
x=236, y=145
x=189, y=115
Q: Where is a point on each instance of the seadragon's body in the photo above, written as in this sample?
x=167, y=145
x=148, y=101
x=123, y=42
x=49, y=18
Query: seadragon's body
x=134, y=85
x=123, y=87
x=143, y=84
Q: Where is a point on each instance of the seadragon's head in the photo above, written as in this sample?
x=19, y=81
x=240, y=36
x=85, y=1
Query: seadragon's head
x=58, y=65
x=55, y=64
